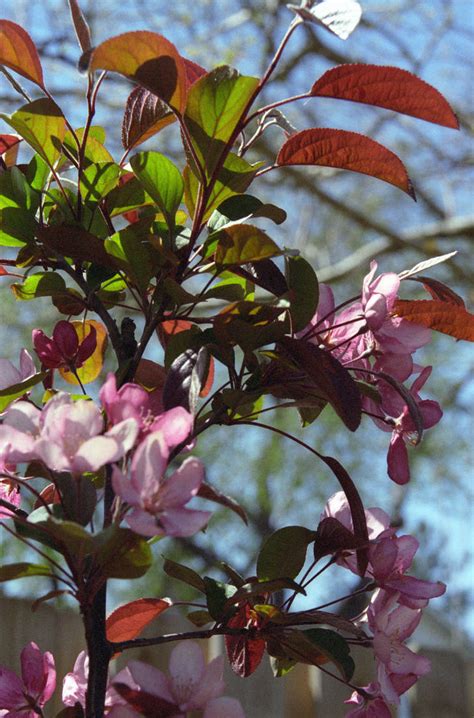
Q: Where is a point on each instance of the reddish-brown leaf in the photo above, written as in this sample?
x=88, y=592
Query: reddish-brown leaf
x=442, y=316
x=193, y=71
x=388, y=87
x=439, y=290
x=49, y=495
x=147, y=58
x=345, y=150
x=206, y=491
x=18, y=52
x=8, y=141
x=171, y=327
x=244, y=653
x=128, y=621
x=147, y=704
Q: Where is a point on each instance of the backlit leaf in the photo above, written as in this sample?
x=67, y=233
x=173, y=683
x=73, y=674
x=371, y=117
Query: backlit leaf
x=75, y=242
x=98, y=179
x=244, y=653
x=17, y=226
x=304, y=291
x=439, y=290
x=17, y=390
x=340, y=17
x=329, y=376
x=18, y=52
x=40, y=284
x=42, y=125
x=121, y=553
x=13, y=571
x=242, y=243
x=284, y=553
x=162, y=180
x=145, y=115
x=147, y=58
x=242, y=207
x=214, y=107
x=345, y=150
x=442, y=316
x=92, y=367
x=128, y=621
x=389, y=87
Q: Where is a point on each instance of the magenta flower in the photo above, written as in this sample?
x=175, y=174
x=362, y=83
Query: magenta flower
x=190, y=685
x=158, y=504
x=10, y=375
x=24, y=697
x=373, y=706
x=378, y=296
x=64, y=348
x=9, y=491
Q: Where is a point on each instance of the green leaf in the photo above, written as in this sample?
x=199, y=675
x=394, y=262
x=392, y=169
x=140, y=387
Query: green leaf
x=133, y=253
x=217, y=594
x=98, y=179
x=17, y=390
x=34, y=527
x=214, y=107
x=162, y=180
x=41, y=284
x=234, y=178
x=304, y=291
x=79, y=497
x=334, y=647
x=243, y=206
x=244, y=243
x=17, y=226
x=37, y=173
x=127, y=196
x=94, y=151
x=200, y=618
x=23, y=570
x=284, y=553
x=42, y=125
x=121, y=553
x=24, y=195
x=184, y=574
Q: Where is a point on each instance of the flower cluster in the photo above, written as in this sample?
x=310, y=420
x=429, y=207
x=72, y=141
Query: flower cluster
x=368, y=338
x=25, y=697
x=394, y=611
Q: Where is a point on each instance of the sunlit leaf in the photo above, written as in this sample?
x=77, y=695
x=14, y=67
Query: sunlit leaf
x=128, y=195
x=442, y=316
x=345, y=150
x=40, y=284
x=121, y=553
x=162, y=180
x=214, y=107
x=92, y=367
x=42, y=125
x=242, y=207
x=128, y=621
x=17, y=390
x=284, y=553
x=18, y=52
x=389, y=87
x=132, y=253
x=242, y=243
x=147, y=58
x=97, y=180
x=439, y=290
x=145, y=115
x=244, y=654
x=17, y=226
x=340, y=17
x=14, y=571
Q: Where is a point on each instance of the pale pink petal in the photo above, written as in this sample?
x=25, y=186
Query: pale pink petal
x=407, y=547
x=183, y=484
x=50, y=669
x=52, y=455
x=183, y=522
x=186, y=669
x=123, y=487
x=416, y=588
x=175, y=425
x=23, y=416
x=75, y=683
x=383, y=556
x=144, y=523
x=15, y=446
x=9, y=492
x=224, y=706
x=149, y=461
x=149, y=679
x=125, y=433
x=27, y=365
x=9, y=375
x=212, y=684
x=95, y=453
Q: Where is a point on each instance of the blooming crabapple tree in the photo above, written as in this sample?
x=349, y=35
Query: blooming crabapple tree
x=245, y=329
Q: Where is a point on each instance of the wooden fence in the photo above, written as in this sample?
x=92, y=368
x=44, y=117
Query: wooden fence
x=447, y=692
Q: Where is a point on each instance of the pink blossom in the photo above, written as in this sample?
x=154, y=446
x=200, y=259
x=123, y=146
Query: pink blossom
x=158, y=504
x=378, y=296
x=64, y=348
x=391, y=625
x=371, y=706
x=9, y=491
x=23, y=697
x=71, y=436
x=75, y=685
x=190, y=684
x=10, y=375
x=18, y=432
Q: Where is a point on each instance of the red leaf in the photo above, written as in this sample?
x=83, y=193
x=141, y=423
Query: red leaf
x=8, y=141
x=206, y=491
x=49, y=495
x=388, y=87
x=171, y=327
x=18, y=52
x=193, y=72
x=147, y=58
x=145, y=115
x=147, y=704
x=345, y=150
x=128, y=621
x=439, y=290
x=244, y=653
x=442, y=316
